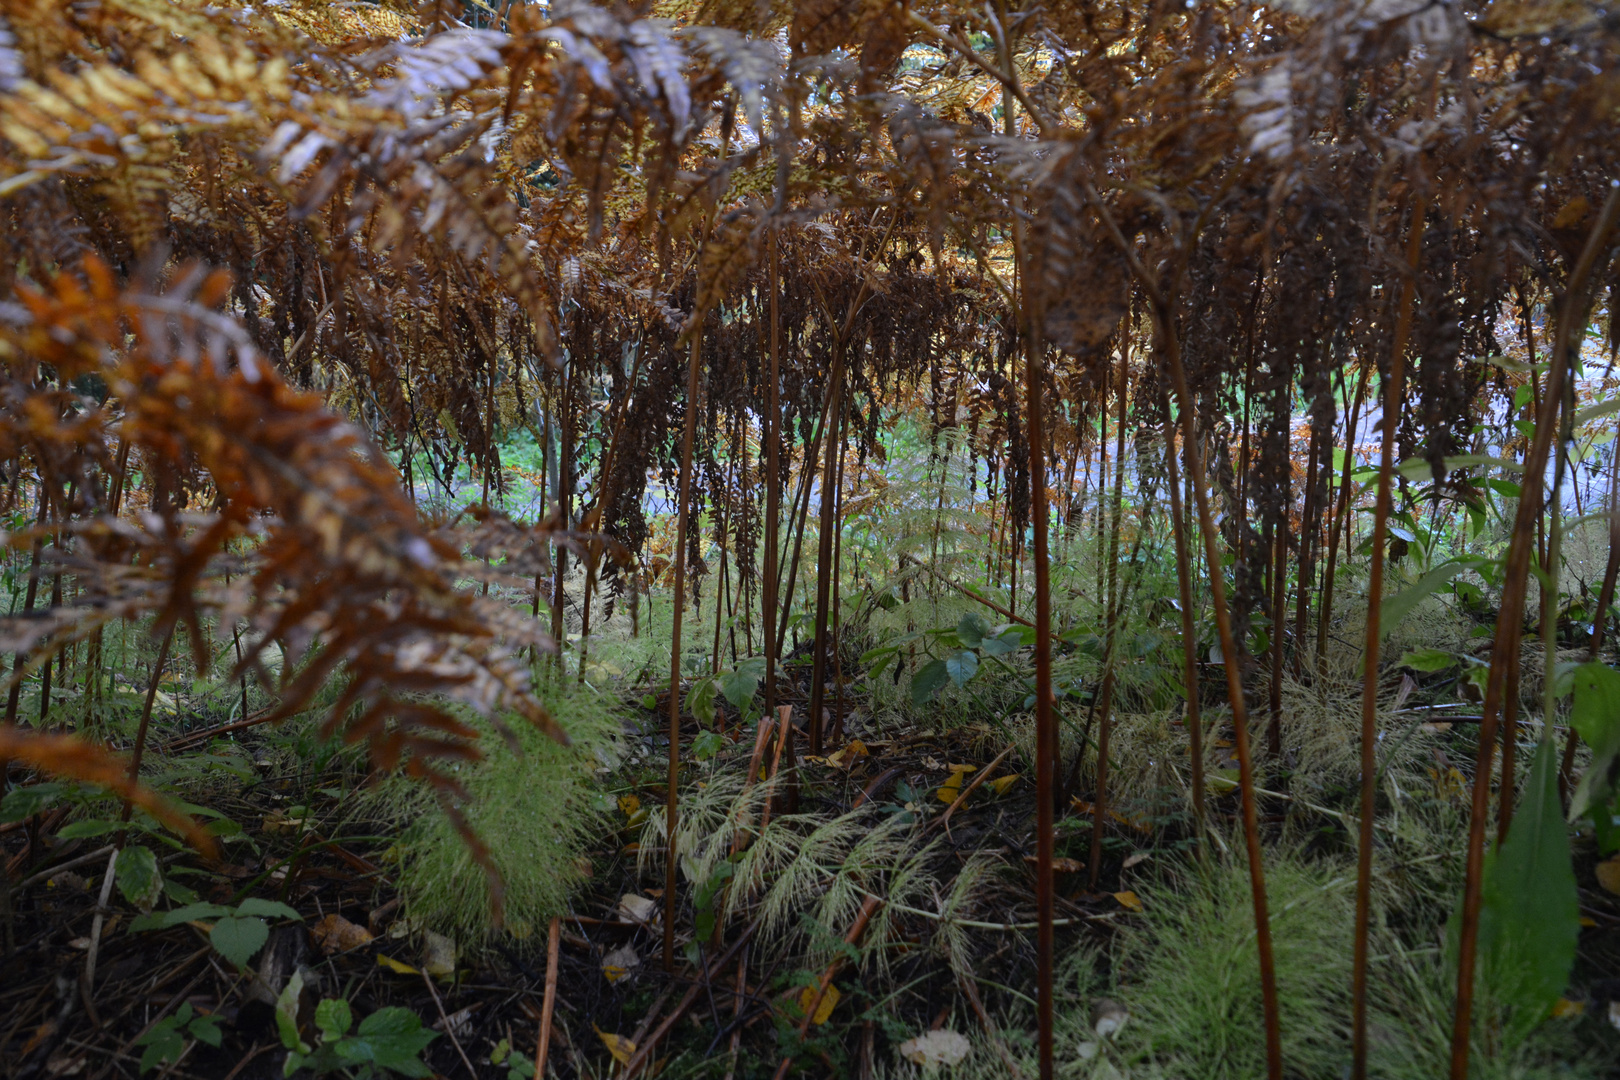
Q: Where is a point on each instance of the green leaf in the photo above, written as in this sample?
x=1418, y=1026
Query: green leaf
x=707, y=745
x=1008, y=641
x=1598, y=411
x=287, y=1014
x=1505, y=488
x=928, y=681
x=1399, y=606
x=887, y=657
x=700, y=700
x=1427, y=660
x=138, y=876
x=873, y=655
x=1530, y=911
x=269, y=909
x=163, y=1042
x=741, y=685
x=649, y=702
x=25, y=802
x=178, y=892
x=237, y=939
x=972, y=629
x=390, y=1038
x=77, y=830
x=962, y=666
x=205, y=1029
x=162, y=920
x=333, y=1018
x=1596, y=717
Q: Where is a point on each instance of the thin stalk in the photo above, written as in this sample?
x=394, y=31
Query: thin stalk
x=1279, y=593
x=1189, y=640
x=1341, y=515
x=1394, y=394
x=773, y=494
x=671, y=808
x=1310, y=533
x=1099, y=809
x=1046, y=735
x=824, y=548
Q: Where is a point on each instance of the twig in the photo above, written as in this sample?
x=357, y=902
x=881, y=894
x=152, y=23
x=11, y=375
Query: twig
x=71, y=864
x=944, y=820
x=971, y=992
x=971, y=595
x=549, y=1003
x=449, y=1029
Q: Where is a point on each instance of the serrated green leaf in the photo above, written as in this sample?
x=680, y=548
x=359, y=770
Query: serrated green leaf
x=237, y=939
x=740, y=685
x=391, y=1038
x=205, y=1029
x=333, y=1018
x=138, y=877
x=25, y=802
x=707, y=745
x=962, y=666
x=971, y=629
x=1399, y=606
x=1008, y=641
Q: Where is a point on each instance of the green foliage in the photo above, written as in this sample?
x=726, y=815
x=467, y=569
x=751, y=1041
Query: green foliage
x=238, y=933
x=166, y=1040
x=518, y=1065
x=389, y=1040
x=1191, y=979
x=139, y=879
x=1596, y=716
x=1530, y=912
x=535, y=809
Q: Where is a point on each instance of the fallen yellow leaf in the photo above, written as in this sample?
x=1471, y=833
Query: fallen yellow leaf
x=1566, y=1007
x=1608, y=875
x=396, y=966
x=950, y=789
x=1129, y=900
x=628, y=805
x=1002, y=783
x=829, y=1002
x=620, y=1047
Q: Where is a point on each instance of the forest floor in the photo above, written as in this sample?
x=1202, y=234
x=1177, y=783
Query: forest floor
x=896, y=871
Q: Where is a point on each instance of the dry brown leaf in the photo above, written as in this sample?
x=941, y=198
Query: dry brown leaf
x=1608, y=875
x=335, y=934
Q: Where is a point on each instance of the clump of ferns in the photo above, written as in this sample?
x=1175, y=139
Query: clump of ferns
x=801, y=870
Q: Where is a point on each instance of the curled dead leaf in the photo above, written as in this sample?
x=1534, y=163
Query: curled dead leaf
x=936, y=1049
x=335, y=934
